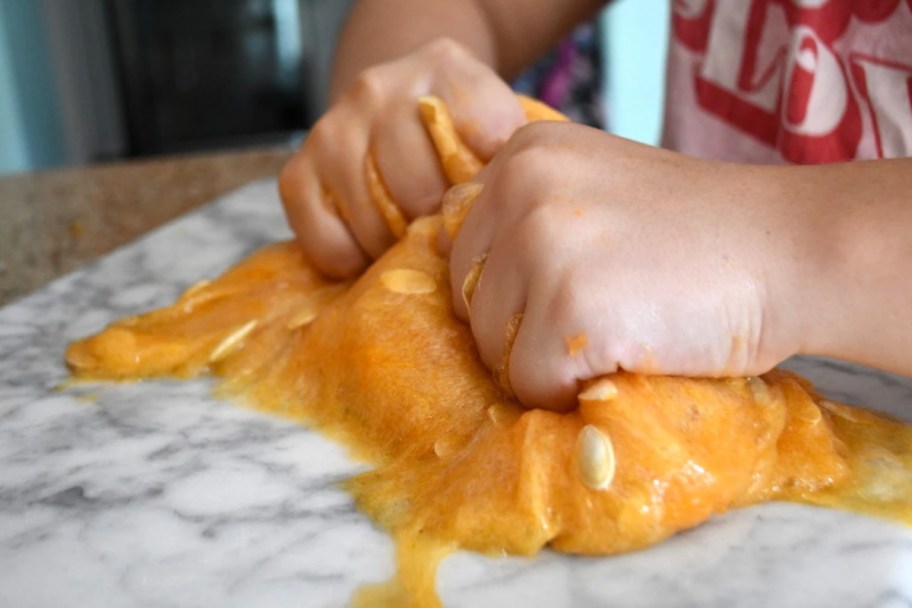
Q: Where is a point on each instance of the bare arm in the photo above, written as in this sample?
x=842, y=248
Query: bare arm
x=863, y=217
x=505, y=34
x=618, y=255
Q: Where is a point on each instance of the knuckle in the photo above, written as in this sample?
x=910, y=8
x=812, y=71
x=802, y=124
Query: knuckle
x=532, y=135
x=445, y=49
x=530, y=236
x=535, y=226
x=522, y=176
x=564, y=303
x=369, y=84
x=322, y=134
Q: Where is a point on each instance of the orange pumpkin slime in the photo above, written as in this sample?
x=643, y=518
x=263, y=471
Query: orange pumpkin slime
x=382, y=365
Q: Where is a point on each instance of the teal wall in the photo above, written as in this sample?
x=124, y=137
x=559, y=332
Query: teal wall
x=636, y=41
x=13, y=155
x=31, y=133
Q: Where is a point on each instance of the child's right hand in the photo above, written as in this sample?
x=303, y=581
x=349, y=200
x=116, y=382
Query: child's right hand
x=324, y=186
x=583, y=254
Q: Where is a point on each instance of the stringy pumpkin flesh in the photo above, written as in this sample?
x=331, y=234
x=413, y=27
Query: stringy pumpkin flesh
x=382, y=365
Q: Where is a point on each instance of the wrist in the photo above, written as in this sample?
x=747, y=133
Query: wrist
x=831, y=245
x=800, y=264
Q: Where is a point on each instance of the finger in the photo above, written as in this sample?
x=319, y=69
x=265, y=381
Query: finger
x=342, y=172
x=383, y=200
x=552, y=353
x=325, y=238
x=455, y=207
x=485, y=111
x=468, y=254
x=408, y=163
x=473, y=212
x=496, y=306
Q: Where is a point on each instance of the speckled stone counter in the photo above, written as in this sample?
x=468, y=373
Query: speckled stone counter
x=53, y=221
x=157, y=494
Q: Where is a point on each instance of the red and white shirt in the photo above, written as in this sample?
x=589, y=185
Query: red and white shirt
x=800, y=81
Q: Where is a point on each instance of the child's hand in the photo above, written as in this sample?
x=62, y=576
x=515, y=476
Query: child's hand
x=624, y=256
x=324, y=187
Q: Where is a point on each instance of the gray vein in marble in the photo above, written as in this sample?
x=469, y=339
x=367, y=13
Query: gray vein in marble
x=157, y=494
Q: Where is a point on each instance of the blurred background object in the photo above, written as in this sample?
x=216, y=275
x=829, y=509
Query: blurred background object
x=636, y=34
x=83, y=81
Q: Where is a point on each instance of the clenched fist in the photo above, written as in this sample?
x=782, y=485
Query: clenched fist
x=584, y=253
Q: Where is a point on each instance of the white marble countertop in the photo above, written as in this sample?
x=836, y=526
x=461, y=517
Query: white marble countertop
x=157, y=494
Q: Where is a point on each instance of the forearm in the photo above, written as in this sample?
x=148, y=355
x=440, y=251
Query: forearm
x=505, y=34
x=379, y=31
x=864, y=214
